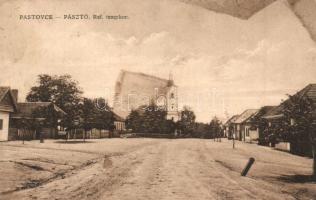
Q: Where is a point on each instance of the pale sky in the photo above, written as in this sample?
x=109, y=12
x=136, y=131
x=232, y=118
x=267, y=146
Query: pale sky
x=221, y=64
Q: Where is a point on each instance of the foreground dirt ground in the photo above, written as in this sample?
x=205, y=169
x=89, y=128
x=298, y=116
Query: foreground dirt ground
x=150, y=169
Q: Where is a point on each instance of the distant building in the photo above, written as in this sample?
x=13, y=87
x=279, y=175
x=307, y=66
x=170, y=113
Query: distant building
x=8, y=106
x=119, y=122
x=229, y=127
x=25, y=112
x=133, y=90
x=256, y=124
x=241, y=125
x=12, y=113
x=309, y=91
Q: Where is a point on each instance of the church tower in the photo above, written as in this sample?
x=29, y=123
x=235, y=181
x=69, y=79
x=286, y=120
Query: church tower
x=172, y=100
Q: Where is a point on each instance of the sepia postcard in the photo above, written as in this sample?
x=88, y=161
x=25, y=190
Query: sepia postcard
x=157, y=99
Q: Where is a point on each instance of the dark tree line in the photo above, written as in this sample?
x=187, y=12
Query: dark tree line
x=151, y=119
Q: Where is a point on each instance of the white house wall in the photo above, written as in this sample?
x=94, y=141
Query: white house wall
x=5, y=128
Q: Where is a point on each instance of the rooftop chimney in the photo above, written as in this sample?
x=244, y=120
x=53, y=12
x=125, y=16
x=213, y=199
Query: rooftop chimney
x=170, y=81
x=15, y=93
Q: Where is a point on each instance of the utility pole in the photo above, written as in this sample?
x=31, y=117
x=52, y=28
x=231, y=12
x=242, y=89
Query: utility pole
x=233, y=141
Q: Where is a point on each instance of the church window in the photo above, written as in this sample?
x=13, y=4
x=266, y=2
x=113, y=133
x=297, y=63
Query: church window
x=171, y=95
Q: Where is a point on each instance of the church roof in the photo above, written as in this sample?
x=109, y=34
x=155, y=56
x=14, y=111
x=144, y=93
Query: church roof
x=126, y=76
x=142, y=75
x=134, y=88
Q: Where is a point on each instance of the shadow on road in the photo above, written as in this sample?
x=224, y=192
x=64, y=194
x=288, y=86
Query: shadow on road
x=73, y=142
x=297, y=178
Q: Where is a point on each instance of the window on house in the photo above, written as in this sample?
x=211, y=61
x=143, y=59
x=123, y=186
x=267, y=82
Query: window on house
x=1, y=124
x=292, y=122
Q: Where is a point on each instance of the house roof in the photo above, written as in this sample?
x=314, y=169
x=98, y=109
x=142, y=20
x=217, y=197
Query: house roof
x=274, y=113
x=245, y=115
x=309, y=91
x=4, y=91
x=117, y=117
x=261, y=112
x=26, y=109
x=231, y=120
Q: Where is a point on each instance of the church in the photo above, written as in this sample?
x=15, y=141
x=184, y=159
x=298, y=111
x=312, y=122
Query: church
x=133, y=90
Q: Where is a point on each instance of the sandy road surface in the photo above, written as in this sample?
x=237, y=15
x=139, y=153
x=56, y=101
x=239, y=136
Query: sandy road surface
x=171, y=169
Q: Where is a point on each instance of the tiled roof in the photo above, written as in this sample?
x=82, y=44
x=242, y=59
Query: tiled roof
x=245, y=115
x=275, y=112
x=3, y=92
x=26, y=109
x=264, y=111
x=231, y=120
x=309, y=91
x=117, y=117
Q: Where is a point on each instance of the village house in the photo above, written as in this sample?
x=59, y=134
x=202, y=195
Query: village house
x=241, y=126
x=13, y=113
x=119, y=122
x=275, y=118
x=8, y=105
x=255, y=125
x=229, y=127
x=21, y=120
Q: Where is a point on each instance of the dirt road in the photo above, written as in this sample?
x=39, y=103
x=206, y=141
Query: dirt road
x=170, y=169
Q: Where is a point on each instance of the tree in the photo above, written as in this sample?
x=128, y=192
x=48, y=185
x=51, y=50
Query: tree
x=153, y=119
x=22, y=124
x=261, y=124
x=87, y=114
x=62, y=90
x=134, y=121
x=91, y=116
x=187, y=121
x=104, y=118
x=202, y=130
x=168, y=127
x=44, y=116
x=150, y=120
x=299, y=122
x=215, y=126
